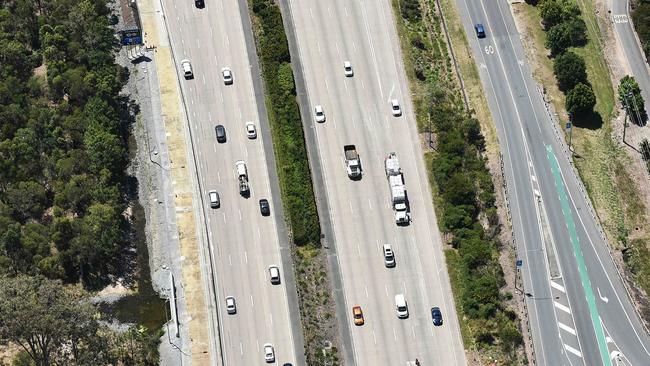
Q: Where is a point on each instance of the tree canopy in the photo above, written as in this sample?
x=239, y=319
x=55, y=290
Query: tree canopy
x=629, y=94
x=63, y=144
x=570, y=69
x=580, y=100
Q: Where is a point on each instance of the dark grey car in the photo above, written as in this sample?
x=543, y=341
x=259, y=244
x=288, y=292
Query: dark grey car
x=221, y=133
x=265, y=208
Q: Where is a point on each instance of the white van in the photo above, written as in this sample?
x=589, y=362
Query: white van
x=402, y=308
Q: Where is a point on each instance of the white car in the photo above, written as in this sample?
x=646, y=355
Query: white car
x=251, y=131
x=227, y=75
x=214, y=199
x=389, y=256
x=269, y=353
x=397, y=111
x=319, y=113
x=231, y=307
x=187, y=69
x=347, y=66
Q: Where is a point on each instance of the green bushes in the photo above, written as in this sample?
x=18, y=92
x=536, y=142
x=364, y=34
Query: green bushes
x=566, y=29
x=465, y=192
x=288, y=138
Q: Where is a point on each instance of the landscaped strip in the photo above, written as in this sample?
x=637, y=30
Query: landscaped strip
x=314, y=289
x=463, y=188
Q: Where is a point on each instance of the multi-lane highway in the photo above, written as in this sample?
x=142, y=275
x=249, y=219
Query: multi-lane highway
x=243, y=242
x=580, y=313
x=628, y=40
x=358, y=112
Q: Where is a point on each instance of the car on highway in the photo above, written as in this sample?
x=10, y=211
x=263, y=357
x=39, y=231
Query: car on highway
x=213, y=196
x=389, y=256
x=227, y=75
x=401, y=306
x=269, y=353
x=395, y=108
x=265, y=209
x=347, y=67
x=187, y=69
x=251, y=131
x=357, y=315
x=274, y=274
x=231, y=307
x=480, y=31
x=436, y=315
x=220, y=131
x=319, y=113
x=199, y=4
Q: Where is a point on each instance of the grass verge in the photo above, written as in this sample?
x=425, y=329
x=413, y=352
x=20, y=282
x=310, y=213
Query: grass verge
x=314, y=290
x=601, y=163
x=463, y=189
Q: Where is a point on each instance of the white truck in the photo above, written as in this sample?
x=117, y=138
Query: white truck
x=242, y=177
x=352, y=162
x=397, y=189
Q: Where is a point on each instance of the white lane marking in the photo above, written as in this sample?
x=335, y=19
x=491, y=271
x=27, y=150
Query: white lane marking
x=404, y=286
x=311, y=13
x=203, y=77
x=390, y=95
x=318, y=45
x=562, y=307
x=241, y=349
x=259, y=233
x=327, y=87
x=358, y=249
x=566, y=328
x=246, y=256
x=227, y=41
x=229, y=259
x=221, y=96
x=394, y=334
x=372, y=48
x=214, y=147
x=386, y=288
x=351, y=209
x=344, y=8
x=413, y=331
x=557, y=286
x=606, y=300
x=245, y=151
x=374, y=337
x=329, y=11
x=209, y=116
x=224, y=217
x=216, y=62
x=366, y=291
x=338, y=52
x=369, y=204
x=363, y=85
x=271, y=319
x=354, y=46
x=252, y=302
x=198, y=45
x=573, y=350
x=239, y=215
x=211, y=31
x=219, y=176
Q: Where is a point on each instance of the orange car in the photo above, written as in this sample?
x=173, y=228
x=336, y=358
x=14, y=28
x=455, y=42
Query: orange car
x=357, y=314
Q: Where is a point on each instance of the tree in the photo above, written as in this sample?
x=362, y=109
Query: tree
x=569, y=70
x=28, y=199
x=49, y=321
x=580, y=100
x=629, y=94
x=551, y=12
x=561, y=36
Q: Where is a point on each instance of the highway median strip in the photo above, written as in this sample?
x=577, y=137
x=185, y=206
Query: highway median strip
x=313, y=285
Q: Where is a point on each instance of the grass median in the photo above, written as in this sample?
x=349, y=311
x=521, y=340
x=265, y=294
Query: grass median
x=314, y=289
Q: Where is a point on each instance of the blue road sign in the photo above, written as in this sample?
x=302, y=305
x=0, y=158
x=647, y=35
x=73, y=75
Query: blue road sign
x=520, y=262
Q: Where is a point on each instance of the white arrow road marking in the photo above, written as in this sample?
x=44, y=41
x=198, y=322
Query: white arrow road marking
x=606, y=300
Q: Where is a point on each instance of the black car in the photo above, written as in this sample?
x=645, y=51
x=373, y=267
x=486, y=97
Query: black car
x=199, y=4
x=221, y=133
x=436, y=315
x=480, y=31
x=265, y=209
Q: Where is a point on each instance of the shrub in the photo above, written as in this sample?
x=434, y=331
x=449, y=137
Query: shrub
x=629, y=94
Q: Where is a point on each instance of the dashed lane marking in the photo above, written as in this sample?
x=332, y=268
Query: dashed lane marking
x=566, y=328
x=573, y=350
x=557, y=286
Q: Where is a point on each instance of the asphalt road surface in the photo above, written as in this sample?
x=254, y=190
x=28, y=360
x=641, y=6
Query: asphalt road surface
x=635, y=57
x=580, y=313
x=358, y=112
x=244, y=243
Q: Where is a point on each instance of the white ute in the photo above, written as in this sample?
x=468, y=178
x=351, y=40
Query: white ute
x=352, y=162
x=187, y=69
